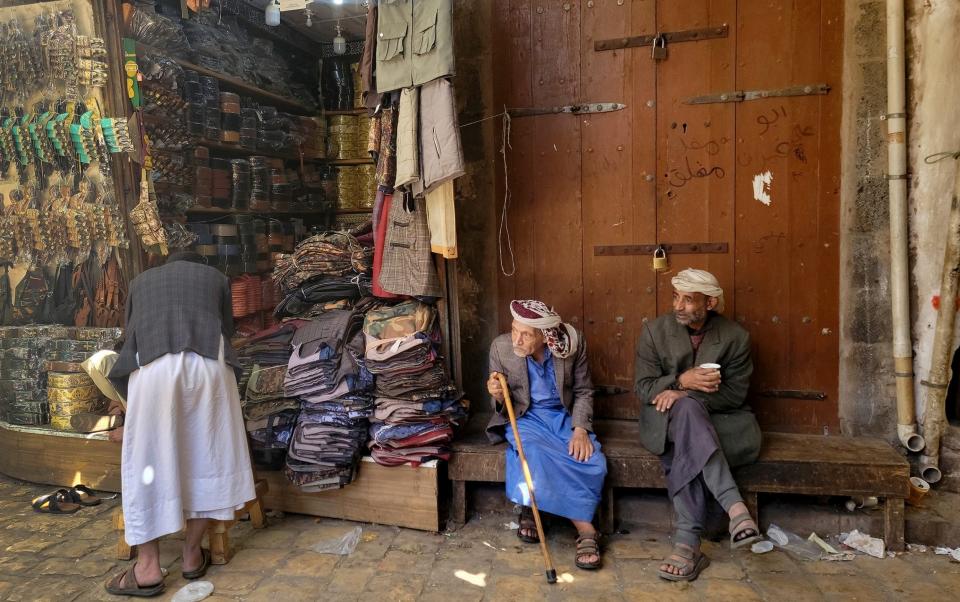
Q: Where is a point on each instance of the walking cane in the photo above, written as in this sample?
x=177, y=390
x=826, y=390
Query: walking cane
x=547, y=561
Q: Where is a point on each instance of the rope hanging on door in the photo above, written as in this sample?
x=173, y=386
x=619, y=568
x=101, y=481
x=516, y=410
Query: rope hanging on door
x=504, y=220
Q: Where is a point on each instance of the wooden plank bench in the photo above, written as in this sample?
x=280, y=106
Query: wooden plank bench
x=788, y=464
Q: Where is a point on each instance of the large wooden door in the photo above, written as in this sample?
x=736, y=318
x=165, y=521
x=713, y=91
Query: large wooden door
x=759, y=175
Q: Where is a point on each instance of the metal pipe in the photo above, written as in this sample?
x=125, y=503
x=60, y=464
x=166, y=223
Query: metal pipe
x=899, y=241
x=935, y=387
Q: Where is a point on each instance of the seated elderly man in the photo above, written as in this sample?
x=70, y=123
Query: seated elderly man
x=692, y=374
x=545, y=365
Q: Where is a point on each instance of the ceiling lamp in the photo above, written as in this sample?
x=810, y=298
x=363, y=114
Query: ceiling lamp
x=339, y=42
x=271, y=13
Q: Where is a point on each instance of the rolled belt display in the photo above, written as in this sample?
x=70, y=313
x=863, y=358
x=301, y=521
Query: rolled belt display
x=70, y=356
x=206, y=250
x=64, y=367
x=22, y=353
x=71, y=395
x=226, y=240
x=58, y=380
x=223, y=229
x=228, y=250
x=9, y=387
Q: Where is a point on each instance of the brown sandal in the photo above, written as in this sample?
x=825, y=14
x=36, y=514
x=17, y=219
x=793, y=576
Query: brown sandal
x=587, y=545
x=121, y=585
x=691, y=565
x=528, y=524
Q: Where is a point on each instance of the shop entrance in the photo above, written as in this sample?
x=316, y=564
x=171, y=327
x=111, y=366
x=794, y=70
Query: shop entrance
x=727, y=155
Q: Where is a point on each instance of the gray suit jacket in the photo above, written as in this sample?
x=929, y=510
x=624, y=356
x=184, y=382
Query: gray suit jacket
x=664, y=352
x=573, y=382
x=179, y=306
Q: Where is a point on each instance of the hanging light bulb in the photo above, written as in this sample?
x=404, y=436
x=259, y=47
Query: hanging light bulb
x=309, y=16
x=271, y=13
x=339, y=42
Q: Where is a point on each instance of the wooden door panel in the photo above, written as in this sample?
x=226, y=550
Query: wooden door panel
x=665, y=171
x=695, y=143
x=618, y=201
x=781, y=238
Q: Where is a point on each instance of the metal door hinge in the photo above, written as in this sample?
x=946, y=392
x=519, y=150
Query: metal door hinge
x=793, y=394
x=679, y=248
x=744, y=95
x=669, y=37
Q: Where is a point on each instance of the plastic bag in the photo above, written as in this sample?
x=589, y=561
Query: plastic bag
x=793, y=543
x=343, y=546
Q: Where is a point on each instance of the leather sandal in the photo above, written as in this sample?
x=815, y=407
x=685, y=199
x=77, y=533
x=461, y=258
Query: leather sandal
x=58, y=502
x=83, y=495
x=527, y=524
x=202, y=569
x=691, y=563
x=588, y=545
x=125, y=584
x=741, y=536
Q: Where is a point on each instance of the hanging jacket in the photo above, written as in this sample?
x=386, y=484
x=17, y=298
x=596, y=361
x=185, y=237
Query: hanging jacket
x=414, y=43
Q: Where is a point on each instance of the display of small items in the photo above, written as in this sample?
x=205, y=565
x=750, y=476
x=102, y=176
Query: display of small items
x=242, y=244
x=41, y=379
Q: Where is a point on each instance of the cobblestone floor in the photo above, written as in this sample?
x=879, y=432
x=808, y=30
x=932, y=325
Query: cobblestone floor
x=65, y=558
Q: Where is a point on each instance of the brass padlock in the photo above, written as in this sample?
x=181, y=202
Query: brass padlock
x=660, y=262
x=659, y=47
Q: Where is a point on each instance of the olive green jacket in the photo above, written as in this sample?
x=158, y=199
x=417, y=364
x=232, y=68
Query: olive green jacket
x=414, y=43
x=664, y=352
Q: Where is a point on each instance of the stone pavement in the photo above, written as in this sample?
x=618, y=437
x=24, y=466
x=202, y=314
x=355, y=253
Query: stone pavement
x=65, y=558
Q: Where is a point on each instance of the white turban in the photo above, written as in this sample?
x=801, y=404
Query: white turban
x=699, y=281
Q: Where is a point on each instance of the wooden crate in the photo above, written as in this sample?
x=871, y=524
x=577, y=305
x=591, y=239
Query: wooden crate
x=404, y=496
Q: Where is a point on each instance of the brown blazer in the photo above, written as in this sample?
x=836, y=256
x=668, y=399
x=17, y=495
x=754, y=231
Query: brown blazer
x=573, y=382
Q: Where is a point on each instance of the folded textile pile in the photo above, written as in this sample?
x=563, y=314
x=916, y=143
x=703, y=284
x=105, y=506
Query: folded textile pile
x=270, y=416
x=327, y=372
x=416, y=406
x=334, y=254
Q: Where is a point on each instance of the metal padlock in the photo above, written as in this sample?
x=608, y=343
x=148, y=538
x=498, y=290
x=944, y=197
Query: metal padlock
x=659, y=47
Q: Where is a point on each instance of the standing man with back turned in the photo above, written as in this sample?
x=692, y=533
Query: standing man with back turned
x=184, y=459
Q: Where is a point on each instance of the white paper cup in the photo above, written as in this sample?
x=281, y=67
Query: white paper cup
x=710, y=366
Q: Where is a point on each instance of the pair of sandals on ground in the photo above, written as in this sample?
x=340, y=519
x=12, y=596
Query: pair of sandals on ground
x=687, y=561
x=66, y=501
x=588, y=545
x=126, y=584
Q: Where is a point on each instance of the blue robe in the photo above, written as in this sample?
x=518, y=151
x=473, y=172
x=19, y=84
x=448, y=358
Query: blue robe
x=562, y=485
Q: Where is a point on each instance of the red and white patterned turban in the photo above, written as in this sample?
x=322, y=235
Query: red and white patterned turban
x=562, y=339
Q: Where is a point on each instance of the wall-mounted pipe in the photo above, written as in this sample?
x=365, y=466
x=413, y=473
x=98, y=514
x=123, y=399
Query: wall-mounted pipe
x=899, y=241
x=935, y=387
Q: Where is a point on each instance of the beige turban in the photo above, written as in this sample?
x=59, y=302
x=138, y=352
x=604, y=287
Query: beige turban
x=699, y=281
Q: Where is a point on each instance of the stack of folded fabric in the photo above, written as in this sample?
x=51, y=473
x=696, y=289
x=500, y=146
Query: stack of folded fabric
x=327, y=372
x=270, y=417
x=416, y=406
x=327, y=271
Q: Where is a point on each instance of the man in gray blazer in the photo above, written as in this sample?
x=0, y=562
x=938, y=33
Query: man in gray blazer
x=692, y=373
x=545, y=364
x=184, y=459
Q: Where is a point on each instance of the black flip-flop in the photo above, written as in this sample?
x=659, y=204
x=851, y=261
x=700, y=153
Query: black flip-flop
x=83, y=495
x=58, y=502
x=116, y=587
x=204, y=565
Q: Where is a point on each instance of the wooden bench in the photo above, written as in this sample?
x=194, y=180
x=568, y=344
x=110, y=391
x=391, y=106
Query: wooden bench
x=788, y=464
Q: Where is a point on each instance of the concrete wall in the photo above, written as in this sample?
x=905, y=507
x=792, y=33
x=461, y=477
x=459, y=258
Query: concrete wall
x=475, y=195
x=867, y=391
x=867, y=395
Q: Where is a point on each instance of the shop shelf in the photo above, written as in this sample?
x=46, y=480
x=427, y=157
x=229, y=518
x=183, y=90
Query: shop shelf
x=233, y=84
